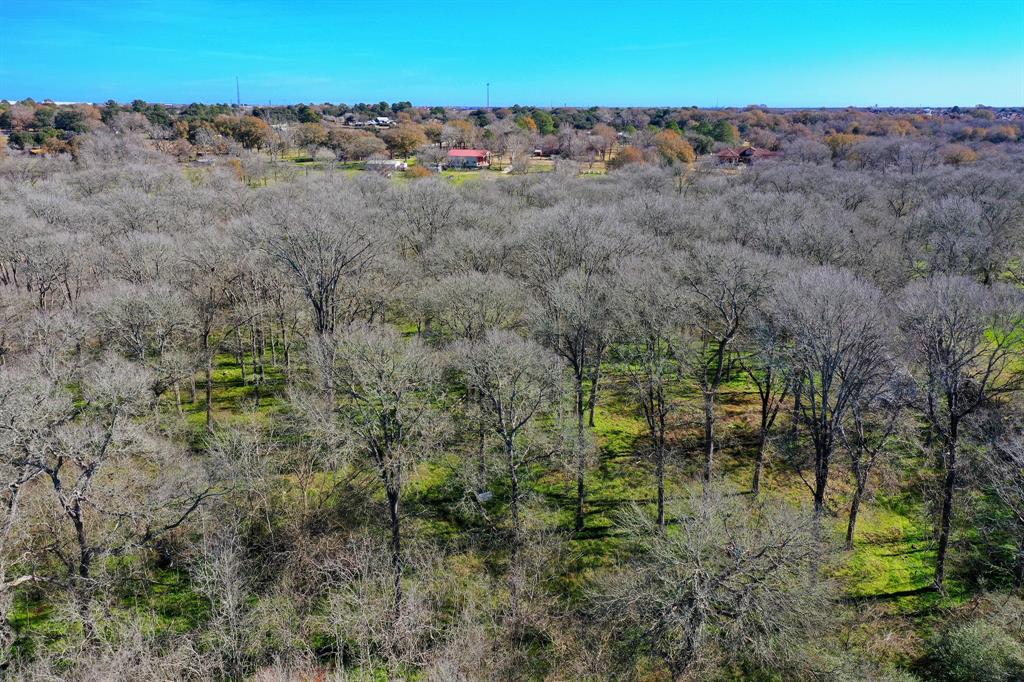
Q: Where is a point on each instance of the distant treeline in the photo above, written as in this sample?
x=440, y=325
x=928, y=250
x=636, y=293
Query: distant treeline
x=628, y=134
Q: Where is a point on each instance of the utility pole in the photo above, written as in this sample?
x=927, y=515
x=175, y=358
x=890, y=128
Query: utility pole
x=238, y=94
x=488, y=95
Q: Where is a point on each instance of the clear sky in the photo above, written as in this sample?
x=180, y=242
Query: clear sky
x=540, y=52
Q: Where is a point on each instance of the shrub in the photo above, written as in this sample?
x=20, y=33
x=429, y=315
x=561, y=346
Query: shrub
x=673, y=147
x=977, y=651
x=22, y=139
x=627, y=155
x=958, y=154
x=418, y=172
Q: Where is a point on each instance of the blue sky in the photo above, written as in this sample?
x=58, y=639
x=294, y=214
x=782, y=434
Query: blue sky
x=548, y=53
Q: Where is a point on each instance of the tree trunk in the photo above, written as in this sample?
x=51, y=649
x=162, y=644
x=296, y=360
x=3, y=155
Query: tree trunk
x=946, y=519
x=709, y=436
x=209, y=391
x=851, y=526
x=593, y=390
x=581, y=455
x=256, y=339
x=514, y=578
x=81, y=580
x=1018, y=573
x=762, y=444
x=396, y=547
x=84, y=554
x=240, y=353
x=794, y=423
x=580, y=493
x=272, y=339
x=513, y=479
x=822, y=460
x=661, y=486
x=286, y=349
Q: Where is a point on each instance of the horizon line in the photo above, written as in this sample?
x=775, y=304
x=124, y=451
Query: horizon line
x=538, y=106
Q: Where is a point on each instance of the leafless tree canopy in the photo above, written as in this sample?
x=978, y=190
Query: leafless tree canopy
x=684, y=419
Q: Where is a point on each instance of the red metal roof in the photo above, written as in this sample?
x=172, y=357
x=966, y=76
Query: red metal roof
x=468, y=152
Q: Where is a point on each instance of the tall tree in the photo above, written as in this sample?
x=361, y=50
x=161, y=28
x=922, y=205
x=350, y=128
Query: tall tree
x=766, y=365
x=381, y=387
x=648, y=309
x=111, y=486
x=730, y=583
x=723, y=285
x=325, y=240
x=868, y=434
x=963, y=340
x=518, y=381
x=566, y=262
x=839, y=330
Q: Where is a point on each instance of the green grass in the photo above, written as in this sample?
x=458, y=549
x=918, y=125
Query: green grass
x=164, y=602
x=233, y=398
x=890, y=568
x=893, y=555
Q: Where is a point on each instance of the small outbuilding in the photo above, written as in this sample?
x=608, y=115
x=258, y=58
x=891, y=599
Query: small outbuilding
x=386, y=165
x=468, y=158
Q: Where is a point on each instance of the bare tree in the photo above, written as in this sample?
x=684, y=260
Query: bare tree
x=723, y=284
x=649, y=309
x=573, y=323
x=383, y=386
x=30, y=415
x=566, y=260
x=323, y=238
x=868, y=434
x=425, y=210
x=839, y=329
x=518, y=381
x=963, y=340
x=1004, y=474
x=767, y=366
x=103, y=470
x=148, y=325
x=466, y=306
x=205, y=279
x=729, y=583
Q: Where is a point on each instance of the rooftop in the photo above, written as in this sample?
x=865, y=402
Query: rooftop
x=468, y=152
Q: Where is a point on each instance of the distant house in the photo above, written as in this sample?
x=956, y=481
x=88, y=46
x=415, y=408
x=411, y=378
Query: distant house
x=468, y=158
x=375, y=122
x=747, y=155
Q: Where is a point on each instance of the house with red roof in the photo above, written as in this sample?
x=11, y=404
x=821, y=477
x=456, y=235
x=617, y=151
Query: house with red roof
x=468, y=158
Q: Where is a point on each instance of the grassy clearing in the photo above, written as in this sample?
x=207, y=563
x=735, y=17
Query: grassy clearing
x=890, y=567
x=889, y=571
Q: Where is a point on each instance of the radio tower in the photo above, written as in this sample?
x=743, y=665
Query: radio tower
x=488, y=95
x=238, y=94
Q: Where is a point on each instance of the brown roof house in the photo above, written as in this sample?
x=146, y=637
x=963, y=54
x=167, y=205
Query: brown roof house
x=745, y=155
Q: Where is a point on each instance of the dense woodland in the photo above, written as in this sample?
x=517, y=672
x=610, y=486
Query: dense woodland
x=866, y=138
x=672, y=422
